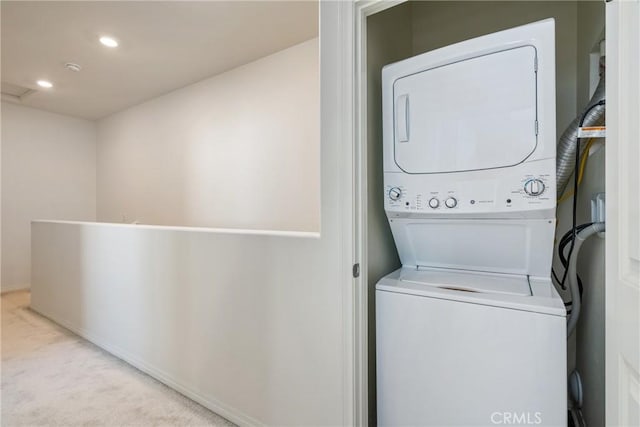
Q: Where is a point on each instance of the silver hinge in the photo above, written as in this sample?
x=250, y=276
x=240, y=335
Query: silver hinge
x=356, y=270
x=536, y=126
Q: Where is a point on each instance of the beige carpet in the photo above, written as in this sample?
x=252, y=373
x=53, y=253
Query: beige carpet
x=51, y=377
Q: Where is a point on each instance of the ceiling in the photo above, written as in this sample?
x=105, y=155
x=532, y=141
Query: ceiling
x=163, y=46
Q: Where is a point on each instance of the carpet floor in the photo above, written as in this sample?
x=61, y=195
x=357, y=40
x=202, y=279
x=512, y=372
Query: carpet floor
x=52, y=377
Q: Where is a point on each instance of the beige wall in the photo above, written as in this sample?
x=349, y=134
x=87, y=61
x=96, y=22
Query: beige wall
x=238, y=150
x=48, y=171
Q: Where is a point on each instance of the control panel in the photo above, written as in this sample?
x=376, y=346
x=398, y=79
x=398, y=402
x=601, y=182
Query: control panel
x=471, y=192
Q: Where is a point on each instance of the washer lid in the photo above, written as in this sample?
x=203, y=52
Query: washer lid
x=505, y=291
x=471, y=114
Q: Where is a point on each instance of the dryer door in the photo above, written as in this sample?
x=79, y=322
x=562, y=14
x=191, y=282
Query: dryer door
x=478, y=113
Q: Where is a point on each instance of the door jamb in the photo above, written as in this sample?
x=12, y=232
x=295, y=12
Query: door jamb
x=362, y=10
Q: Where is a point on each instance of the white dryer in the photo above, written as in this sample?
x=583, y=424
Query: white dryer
x=471, y=331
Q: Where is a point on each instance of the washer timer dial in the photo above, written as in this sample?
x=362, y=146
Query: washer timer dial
x=451, y=202
x=534, y=187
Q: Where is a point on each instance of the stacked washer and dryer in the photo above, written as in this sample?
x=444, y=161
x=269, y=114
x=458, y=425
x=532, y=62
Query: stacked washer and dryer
x=471, y=331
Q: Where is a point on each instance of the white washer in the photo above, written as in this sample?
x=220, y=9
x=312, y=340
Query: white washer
x=469, y=349
x=471, y=331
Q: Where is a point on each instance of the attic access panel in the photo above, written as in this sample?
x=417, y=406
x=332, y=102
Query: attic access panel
x=473, y=114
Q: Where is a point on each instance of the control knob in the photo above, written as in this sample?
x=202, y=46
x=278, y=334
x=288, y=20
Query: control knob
x=451, y=202
x=434, y=203
x=395, y=193
x=534, y=187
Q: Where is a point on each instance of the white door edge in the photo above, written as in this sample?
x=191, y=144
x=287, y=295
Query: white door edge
x=356, y=82
x=622, y=288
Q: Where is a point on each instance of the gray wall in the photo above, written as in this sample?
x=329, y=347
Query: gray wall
x=590, y=333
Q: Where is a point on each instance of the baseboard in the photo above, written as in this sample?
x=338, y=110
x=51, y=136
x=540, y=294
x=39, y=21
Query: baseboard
x=14, y=288
x=226, y=411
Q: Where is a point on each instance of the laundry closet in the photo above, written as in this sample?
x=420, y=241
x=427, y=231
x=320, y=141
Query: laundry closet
x=412, y=28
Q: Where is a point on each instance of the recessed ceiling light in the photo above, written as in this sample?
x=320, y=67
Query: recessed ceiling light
x=45, y=84
x=108, y=41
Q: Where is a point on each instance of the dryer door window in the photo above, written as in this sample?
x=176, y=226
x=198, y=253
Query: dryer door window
x=478, y=113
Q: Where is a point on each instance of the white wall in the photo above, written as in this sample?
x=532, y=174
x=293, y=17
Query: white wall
x=248, y=325
x=238, y=150
x=48, y=171
x=254, y=326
